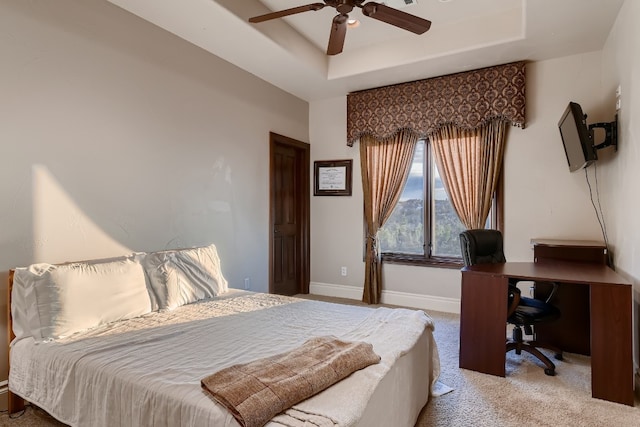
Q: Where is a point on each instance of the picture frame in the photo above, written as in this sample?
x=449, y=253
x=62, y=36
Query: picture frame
x=332, y=177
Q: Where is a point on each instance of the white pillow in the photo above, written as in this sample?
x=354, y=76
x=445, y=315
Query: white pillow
x=139, y=257
x=184, y=276
x=20, y=305
x=69, y=298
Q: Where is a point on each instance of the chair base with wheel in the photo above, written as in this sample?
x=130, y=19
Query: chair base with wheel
x=523, y=313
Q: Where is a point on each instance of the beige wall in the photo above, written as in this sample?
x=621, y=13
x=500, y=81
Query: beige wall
x=118, y=136
x=542, y=199
x=621, y=172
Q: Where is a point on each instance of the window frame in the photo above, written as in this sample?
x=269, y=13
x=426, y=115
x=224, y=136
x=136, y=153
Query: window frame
x=496, y=220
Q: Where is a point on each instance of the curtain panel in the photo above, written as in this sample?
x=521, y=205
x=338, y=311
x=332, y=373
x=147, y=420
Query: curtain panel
x=466, y=100
x=385, y=167
x=470, y=162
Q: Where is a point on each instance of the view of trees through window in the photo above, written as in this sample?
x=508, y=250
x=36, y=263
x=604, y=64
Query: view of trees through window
x=404, y=232
x=447, y=229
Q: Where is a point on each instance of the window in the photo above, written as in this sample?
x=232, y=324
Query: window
x=415, y=234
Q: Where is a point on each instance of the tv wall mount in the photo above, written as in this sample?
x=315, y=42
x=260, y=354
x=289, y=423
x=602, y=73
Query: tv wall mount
x=611, y=133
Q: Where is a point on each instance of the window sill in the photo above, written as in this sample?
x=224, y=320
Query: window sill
x=453, y=263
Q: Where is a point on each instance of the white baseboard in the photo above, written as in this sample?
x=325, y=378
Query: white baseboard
x=338, y=291
x=406, y=299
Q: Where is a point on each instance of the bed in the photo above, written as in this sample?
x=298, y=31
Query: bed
x=142, y=361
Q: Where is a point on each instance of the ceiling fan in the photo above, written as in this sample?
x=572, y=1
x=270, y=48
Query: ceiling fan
x=371, y=9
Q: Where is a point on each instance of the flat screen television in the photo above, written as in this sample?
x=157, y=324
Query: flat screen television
x=577, y=139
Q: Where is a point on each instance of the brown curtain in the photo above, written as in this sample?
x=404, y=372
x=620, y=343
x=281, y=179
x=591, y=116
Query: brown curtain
x=385, y=166
x=469, y=100
x=470, y=162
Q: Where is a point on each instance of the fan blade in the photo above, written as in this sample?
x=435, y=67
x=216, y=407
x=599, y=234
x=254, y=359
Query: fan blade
x=338, y=33
x=287, y=12
x=396, y=17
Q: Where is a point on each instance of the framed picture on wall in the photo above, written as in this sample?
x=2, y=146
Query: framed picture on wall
x=332, y=177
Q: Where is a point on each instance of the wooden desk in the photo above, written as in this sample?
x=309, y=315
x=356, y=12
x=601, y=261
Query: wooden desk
x=484, y=312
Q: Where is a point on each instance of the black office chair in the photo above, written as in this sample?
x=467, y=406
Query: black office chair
x=485, y=247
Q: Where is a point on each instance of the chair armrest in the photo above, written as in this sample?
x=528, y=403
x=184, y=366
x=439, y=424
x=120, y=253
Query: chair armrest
x=549, y=297
x=553, y=292
x=514, y=299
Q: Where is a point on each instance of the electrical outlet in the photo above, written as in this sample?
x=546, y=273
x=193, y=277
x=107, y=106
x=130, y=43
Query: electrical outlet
x=343, y=271
x=618, y=104
x=247, y=283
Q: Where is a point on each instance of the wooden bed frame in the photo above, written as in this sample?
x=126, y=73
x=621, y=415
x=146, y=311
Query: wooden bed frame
x=14, y=402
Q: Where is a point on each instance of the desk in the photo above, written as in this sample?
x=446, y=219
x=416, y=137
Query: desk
x=484, y=312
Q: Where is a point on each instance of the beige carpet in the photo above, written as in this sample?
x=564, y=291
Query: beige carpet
x=526, y=397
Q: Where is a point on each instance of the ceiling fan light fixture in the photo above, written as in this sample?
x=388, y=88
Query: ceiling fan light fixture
x=341, y=21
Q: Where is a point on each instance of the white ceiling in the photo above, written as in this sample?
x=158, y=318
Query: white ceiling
x=465, y=34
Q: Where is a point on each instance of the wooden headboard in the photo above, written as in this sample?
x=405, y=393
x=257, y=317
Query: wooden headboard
x=10, y=334
x=15, y=403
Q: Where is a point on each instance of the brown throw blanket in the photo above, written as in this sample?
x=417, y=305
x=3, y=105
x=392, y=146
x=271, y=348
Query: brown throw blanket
x=257, y=391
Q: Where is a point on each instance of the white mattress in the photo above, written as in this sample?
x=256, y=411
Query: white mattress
x=147, y=371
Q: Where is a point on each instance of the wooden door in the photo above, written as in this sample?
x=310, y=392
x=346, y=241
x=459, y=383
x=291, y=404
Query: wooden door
x=289, y=217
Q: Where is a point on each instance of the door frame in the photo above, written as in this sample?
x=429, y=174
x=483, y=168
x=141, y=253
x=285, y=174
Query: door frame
x=304, y=213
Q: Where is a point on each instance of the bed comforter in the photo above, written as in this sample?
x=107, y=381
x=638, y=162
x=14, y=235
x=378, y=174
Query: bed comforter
x=146, y=371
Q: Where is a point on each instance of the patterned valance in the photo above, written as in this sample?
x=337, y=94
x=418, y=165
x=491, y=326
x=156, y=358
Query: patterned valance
x=467, y=100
